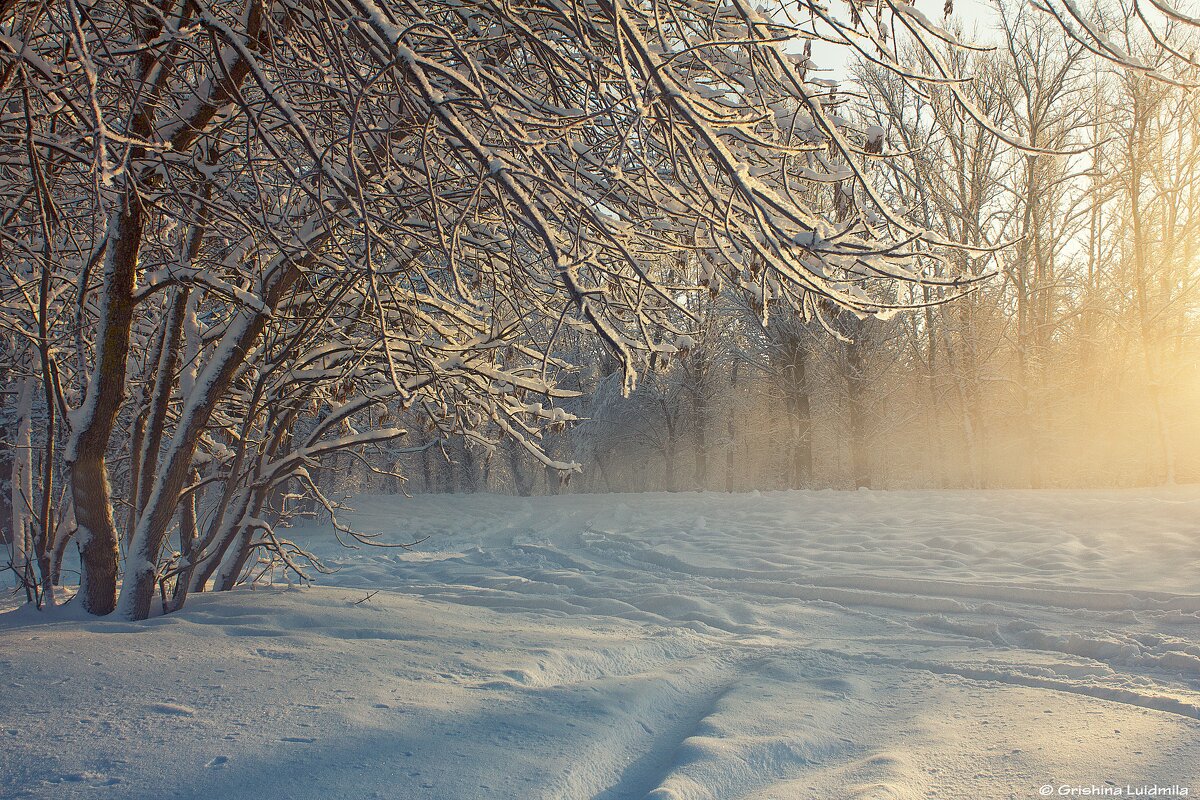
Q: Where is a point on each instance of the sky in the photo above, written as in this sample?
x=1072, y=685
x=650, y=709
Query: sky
x=976, y=17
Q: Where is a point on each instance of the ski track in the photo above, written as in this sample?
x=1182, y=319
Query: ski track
x=672, y=647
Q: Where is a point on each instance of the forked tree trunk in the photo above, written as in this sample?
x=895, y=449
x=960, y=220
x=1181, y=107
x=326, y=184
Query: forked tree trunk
x=243, y=333
x=86, y=452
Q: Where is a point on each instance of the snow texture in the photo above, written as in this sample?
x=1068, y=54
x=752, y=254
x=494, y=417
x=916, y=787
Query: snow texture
x=779, y=645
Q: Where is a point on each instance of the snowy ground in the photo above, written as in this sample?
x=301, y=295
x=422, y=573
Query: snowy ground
x=785, y=645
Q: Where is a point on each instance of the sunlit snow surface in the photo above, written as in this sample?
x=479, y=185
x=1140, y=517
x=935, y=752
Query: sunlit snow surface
x=783, y=645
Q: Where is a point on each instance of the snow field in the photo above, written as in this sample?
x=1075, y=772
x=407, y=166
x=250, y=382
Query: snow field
x=674, y=647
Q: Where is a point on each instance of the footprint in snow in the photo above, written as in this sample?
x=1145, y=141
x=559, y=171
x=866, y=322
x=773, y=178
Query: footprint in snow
x=218, y=762
x=92, y=778
x=298, y=739
x=173, y=710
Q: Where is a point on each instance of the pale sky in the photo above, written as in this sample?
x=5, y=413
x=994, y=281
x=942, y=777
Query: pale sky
x=977, y=18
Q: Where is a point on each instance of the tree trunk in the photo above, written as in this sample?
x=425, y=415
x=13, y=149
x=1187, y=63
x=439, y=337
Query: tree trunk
x=22, y=487
x=160, y=394
x=700, y=410
x=731, y=432
x=799, y=408
x=856, y=386
x=86, y=454
x=521, y=483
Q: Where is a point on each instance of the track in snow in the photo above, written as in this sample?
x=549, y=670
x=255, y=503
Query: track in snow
x=1062, y=591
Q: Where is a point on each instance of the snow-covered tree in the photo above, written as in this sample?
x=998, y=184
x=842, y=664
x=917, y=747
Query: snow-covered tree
x=244, y=239
x=240, y=234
